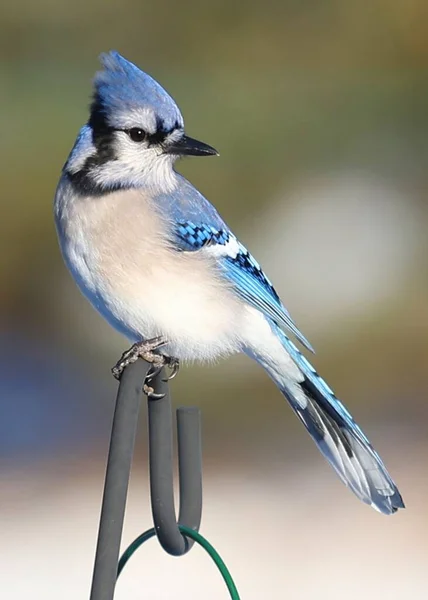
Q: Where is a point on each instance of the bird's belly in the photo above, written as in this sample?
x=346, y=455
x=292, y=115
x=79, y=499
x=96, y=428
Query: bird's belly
x=174, y=294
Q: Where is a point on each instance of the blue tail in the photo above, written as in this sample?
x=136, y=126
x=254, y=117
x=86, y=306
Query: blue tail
x=336, y=434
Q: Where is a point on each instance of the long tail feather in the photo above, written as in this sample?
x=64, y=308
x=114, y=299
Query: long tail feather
x=336, y=434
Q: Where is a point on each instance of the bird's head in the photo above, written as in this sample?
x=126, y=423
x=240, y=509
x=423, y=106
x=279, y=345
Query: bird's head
x=134, y=134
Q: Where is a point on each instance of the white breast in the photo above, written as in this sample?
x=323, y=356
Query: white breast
x=115, y=246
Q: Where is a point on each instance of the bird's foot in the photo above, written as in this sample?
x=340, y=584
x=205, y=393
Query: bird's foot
x=145, y=350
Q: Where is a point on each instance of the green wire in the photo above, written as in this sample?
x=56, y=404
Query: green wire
x=133, y=547
x=199, y=539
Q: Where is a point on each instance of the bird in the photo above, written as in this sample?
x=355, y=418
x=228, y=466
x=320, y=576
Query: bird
x=158, y=262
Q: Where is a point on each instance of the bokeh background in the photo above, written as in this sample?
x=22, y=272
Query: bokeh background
x=319, y=110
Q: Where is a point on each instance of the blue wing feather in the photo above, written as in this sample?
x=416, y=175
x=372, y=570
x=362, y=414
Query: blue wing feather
x=249, y=281
x=254, y=287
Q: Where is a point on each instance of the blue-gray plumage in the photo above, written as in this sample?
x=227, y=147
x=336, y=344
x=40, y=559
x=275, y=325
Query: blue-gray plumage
x=156, y=259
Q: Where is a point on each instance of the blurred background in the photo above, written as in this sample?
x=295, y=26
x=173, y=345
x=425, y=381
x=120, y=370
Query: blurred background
x=319, y=110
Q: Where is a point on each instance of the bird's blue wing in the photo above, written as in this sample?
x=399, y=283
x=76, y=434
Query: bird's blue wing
x=239, y=267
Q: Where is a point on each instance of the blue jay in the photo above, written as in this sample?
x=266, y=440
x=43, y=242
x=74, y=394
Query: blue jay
x=155, y=258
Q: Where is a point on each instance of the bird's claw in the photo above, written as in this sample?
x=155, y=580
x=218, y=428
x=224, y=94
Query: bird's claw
x=150, y=393
x=174, y=365
x=154, y=372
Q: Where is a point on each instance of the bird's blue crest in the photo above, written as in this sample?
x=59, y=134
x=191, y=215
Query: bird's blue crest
x=123, y=88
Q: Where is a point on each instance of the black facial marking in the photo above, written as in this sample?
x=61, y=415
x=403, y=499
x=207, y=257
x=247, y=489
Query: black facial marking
x=102, y=137
x=84, y=184
x=102, y=133
x=103, y=140
x=83, y=180
x=97, y=119
x=157, y=138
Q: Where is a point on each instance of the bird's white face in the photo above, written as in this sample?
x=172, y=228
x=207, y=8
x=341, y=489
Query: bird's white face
x=138, y=154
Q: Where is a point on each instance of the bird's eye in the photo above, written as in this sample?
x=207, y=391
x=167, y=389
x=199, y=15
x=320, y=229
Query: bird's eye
x=136, y=134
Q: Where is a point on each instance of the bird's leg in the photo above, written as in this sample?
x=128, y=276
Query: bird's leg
x=147, y=351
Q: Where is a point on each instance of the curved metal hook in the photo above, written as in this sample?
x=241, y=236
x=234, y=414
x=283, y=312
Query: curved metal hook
x=161, y=469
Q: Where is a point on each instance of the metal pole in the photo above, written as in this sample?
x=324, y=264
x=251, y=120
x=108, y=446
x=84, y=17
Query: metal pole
x=119, y=462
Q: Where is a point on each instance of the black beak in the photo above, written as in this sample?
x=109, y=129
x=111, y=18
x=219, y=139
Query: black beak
x=187, y=146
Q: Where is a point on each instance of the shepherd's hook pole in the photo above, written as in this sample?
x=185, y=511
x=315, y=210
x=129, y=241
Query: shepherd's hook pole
x=119, y=462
